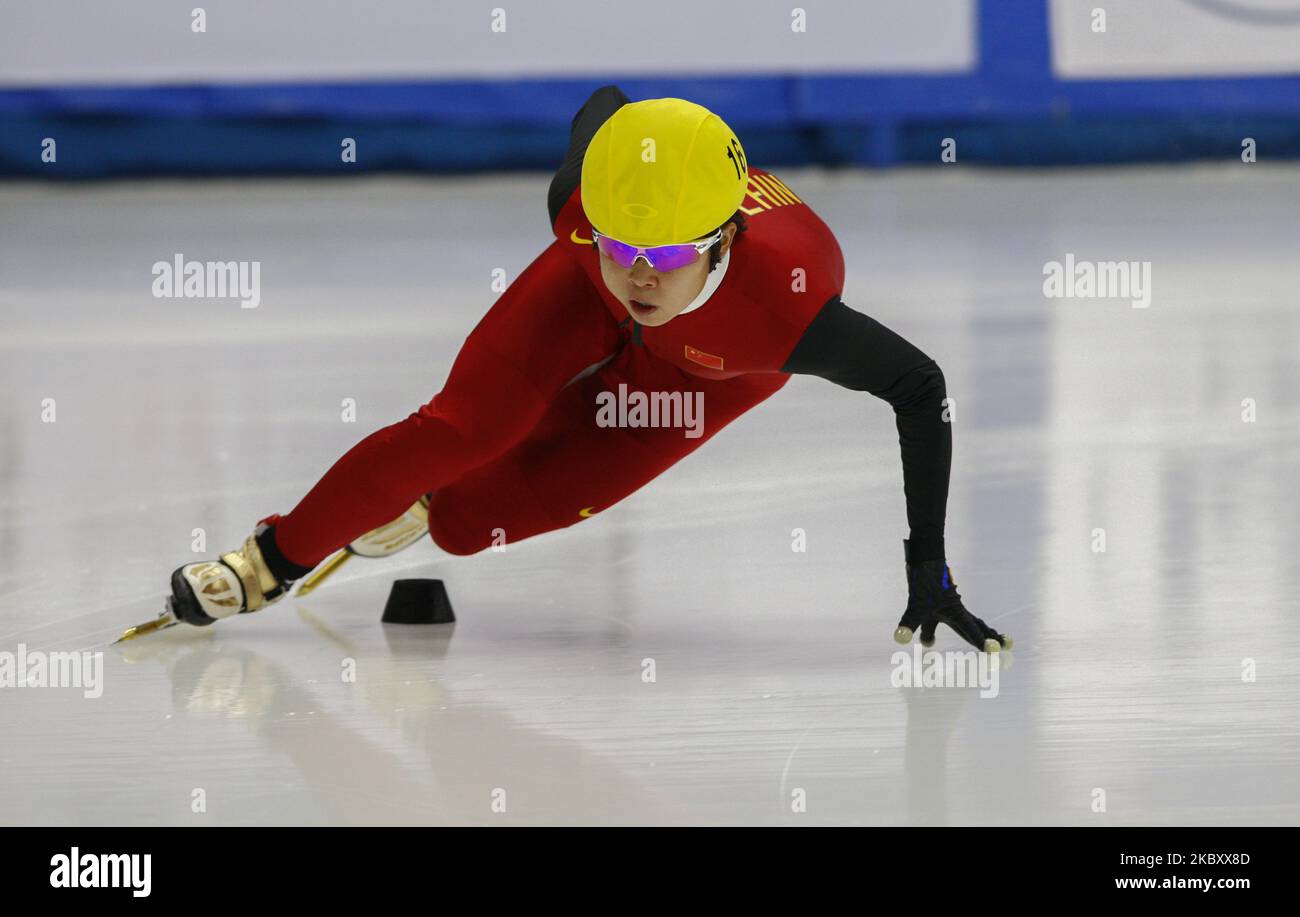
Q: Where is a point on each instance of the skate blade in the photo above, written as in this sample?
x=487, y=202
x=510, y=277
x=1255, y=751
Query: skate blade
x=318, y=576
x=162, y=622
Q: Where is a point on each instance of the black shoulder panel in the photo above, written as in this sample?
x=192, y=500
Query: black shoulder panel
x=595, y=111
x=853, y=350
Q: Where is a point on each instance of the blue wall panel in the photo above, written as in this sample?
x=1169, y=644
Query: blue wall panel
x=1010, y=110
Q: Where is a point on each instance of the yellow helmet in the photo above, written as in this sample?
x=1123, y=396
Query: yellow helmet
x=661, y=172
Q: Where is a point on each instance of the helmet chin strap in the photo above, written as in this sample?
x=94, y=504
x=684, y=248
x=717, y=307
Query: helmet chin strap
x=711, y=283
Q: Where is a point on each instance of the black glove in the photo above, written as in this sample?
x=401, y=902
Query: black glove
x=932, y=598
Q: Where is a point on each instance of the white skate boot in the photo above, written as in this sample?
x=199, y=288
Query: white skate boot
x=241, y=581
x=384, y=541
x=237, y=583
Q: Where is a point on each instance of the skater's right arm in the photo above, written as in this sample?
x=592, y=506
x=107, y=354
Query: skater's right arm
x=596, y=111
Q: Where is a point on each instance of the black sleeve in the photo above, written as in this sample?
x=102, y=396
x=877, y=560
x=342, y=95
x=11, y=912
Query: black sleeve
x=595, y=111
x=859, y=353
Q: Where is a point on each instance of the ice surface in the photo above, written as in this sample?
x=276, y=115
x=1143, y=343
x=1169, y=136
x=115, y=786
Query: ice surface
x=772, y=667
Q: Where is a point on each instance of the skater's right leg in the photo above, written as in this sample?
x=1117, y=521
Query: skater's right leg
x=548, y=326
x=571, y=466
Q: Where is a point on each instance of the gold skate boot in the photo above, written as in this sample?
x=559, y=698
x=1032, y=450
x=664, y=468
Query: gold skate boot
x=384, y=541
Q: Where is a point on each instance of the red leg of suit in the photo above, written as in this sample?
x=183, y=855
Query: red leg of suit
x=546, y=328
x=568, y=463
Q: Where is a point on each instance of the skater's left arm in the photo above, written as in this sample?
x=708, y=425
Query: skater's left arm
x=859, y=353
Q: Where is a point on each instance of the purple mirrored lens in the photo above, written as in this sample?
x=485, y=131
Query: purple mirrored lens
x=671, y=257
x=622, y=255
x=661, y=257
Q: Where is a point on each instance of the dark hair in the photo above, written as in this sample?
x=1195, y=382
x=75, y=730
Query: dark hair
x=715, y=251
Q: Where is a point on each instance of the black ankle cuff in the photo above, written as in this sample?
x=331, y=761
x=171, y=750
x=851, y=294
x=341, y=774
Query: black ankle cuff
x=283, y=569
x=917, y=550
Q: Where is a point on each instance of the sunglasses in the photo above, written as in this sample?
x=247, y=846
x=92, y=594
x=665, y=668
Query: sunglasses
x=659, y=257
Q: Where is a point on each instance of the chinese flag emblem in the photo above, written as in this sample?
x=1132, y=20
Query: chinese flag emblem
x=704, y=359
